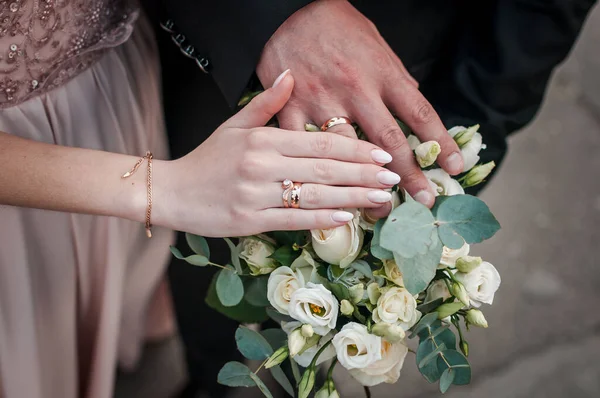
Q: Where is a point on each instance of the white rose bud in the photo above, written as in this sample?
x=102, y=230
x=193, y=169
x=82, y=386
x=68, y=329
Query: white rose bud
x=315, y=306
x=481, y=283
x=338, y=246
x=307, y=382
x=392, y=272
x=413, y=141
x=391, y=333
x=346, y=308
x=386, y=369
x=277, y=357
x=449, y=256
x=373, y=292
x=357, y=293
x=283, y=282
x=472, y=144
x=306, y=355
x=436, y=290
x=327, y=391
x=442, y=183
x=427, y=153
x=355, y=347
x=476, y=318
x=296, y=342
x=477, y=174
x=256, y=253
x=468, y=263
x=307, y=331
x=463, y=135
x=397, y=306
x=459, y=291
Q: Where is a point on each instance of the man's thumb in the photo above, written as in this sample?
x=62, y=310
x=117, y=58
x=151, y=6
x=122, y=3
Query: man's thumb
x=265, y=105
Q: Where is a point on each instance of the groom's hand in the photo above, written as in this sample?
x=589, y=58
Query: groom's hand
x=343, y=67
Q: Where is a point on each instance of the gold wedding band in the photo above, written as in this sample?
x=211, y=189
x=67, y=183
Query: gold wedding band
x=335, y=121
x=291, y=193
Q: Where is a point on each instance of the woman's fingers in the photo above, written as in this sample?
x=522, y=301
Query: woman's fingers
x=318, y=196
x=298, y=219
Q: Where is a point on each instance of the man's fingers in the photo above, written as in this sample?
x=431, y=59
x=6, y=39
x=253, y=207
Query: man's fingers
x=292, y=118
x=382, y=130
x=265, y=105
x=400, y=65
x=412, y=108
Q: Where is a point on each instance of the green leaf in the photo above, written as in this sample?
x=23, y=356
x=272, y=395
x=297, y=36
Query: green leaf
x=288, y=238
x=285, y=255
x=426, y=359
x=306, y=383
x=409, y=230
x=433, y=334
x=425, y=322
x=275, y=336
x=198, y=244
x=430, y=306
x=295, y=371
x=340, y=291
x=235, y=255
x=244, y=312
x=251, y=344
x=464, y=217
x=376, y=249
x=263, y=388
x=446, y=380
x=419, y=270
x=194, y=259
x=282, y=379
x=277, y=316
x=256, y=290
x=459, y=363
x=230, y=288
x=235, y=374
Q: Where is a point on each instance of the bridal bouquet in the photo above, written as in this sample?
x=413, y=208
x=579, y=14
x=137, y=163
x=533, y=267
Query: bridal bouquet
x=361, y=294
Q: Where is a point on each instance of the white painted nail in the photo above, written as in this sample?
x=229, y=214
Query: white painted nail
x=379, y=196
x=342, y=216
x=388, y=177
x=381, y=156
x=281, y=77
x=424, y=197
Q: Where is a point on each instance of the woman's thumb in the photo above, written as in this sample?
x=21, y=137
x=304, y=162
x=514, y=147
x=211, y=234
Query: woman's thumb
x=265, y=105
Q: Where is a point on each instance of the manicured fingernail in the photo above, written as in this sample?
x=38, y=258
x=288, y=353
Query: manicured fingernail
x=280, y=78
x=381, y=156
x=342, y=216
x=455, y=162
x=379, y=196
x=388, y=177
x=424, y=197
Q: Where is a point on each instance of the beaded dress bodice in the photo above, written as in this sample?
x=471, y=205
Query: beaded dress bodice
x=44, y=43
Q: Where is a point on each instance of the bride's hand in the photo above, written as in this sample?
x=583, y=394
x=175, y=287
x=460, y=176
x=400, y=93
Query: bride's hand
x=231, y=185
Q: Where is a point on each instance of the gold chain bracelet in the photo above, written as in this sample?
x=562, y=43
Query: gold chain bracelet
x=148, y=157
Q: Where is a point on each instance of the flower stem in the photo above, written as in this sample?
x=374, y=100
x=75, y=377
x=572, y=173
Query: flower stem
x=314, y=360
x=330, y=371
x=261, y=366
x=220, y=266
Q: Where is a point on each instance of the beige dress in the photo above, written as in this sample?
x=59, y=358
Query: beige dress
x=79, y=294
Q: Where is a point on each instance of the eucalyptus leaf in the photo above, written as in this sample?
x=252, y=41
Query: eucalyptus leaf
x=230, y=288
x=198, y=244
x=280, y=377
x=426, y=359
x=251, y=344
x=244, y=312
x=376, y=249
x=235, y=374
x=340, y=291
x=420, y=269
x=424, y=323
x=235, y=255
x=446, y=380
x=256, y=290
x=430, y=306
x=263, y=388
x=464, y=217
x=275, y=336
x=459, y=363
x=277, y=316
x=285, y=255
x=409, y=230
x=194, y=259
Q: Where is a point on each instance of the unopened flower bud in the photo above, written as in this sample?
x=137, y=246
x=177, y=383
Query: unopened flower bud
x=307, y=382
x=467, y=264
x=463, y=137
x=476, y=318
x=296, y=342
x=427, y=153
x=477, y=174
x=327, y=391
x=277, y=357
x=247, y=97
x=311, y=127
x=459, y=291
x=346, y=307
x=448, y=309
x=357, y=292
x=464, y=347
x=307, y=330
x=373, y=292
x=413, y=141
x=390, y=332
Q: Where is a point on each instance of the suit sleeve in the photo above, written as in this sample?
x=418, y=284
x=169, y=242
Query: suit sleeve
x=500, y=69
x=230, y=34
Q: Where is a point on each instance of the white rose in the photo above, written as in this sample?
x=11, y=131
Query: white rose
x=442, y=183
x=481, y=283
x=385, y=370
x=355, y=347
x=283, y=282
x=392, y=272
x=413, y=141
x=316, y=306
x=256, y=253
x=307, y=266
x=436, y=290
x=307, y=356
x=396, y=305
x=470, y=150
x=449, y=256
x=339, y=246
